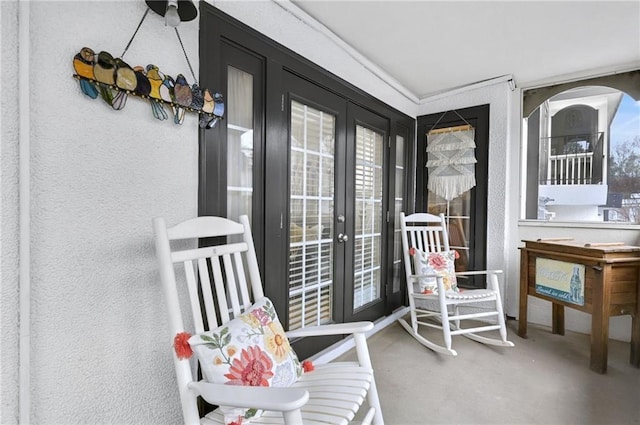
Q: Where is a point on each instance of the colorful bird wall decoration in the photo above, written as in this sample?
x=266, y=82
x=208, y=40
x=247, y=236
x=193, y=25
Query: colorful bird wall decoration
x=114, y=80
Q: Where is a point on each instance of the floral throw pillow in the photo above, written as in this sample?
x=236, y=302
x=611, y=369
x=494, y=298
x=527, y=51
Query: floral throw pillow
x=438, y=263
x=252, y=350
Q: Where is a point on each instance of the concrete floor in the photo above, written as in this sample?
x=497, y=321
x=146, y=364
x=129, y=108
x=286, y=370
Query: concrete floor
x=544, y=379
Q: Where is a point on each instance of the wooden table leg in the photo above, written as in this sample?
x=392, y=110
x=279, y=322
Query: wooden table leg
x=600, y=321
x=635, y=340
x=557, y=319
x=524, y=288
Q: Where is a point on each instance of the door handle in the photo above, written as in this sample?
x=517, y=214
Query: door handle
x=342, y=238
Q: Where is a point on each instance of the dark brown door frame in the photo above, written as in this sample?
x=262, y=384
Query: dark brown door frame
x=478, y=117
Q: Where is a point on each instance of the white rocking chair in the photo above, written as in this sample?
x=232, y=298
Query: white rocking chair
x=331, y=394
x=428, y=233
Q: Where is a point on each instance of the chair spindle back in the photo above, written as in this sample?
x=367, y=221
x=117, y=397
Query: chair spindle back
x=425, y=232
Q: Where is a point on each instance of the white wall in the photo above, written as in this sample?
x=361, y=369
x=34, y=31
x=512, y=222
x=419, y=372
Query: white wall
x=9, y=296
x=99, y=339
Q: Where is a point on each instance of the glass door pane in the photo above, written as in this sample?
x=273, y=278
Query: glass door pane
x=400, y=184
x=239, y=143
x=368, y=216
x=458, y=220
x=311, y=246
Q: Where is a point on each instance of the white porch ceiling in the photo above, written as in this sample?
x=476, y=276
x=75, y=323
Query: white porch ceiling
x=430, y=47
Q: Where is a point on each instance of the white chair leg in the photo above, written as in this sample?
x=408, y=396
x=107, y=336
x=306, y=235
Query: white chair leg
x=414, y=321
x=292, y=417
x=374, y=401
x=364, y=359
x=503, y=325
x=446, y=327
x=456, y=312
x=501, y=321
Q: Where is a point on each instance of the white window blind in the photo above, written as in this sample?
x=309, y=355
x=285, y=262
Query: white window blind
x=368, y=209
x=311, y=216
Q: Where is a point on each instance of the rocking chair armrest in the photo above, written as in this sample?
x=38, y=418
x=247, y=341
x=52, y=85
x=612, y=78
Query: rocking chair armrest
x=332, y=329
x=492, y=277
x=439, y=280
x=417, y=277
x=478, y=272
x=281, y=399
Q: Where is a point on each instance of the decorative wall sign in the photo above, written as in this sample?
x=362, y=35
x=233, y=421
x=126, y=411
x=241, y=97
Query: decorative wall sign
x=114, y=81
x=561, y=280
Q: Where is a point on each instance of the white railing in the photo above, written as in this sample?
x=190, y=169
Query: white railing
x=571, y=169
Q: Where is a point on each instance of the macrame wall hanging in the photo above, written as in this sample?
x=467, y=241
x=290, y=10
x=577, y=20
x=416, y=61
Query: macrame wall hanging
x=451, y=161
x=114, y=81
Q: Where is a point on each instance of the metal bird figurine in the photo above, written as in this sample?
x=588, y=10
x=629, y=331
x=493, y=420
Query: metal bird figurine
x=155, y=79
x=217, y=106
x=83, y=65
x=183, y=91
x=167, y=93
x=167, y=89
x=125, y=76
x=143, y=86
x=105, y=72
x=197, y=97
x=105, y=68
x=125, y=80
x=183, y=96
x=208, y=102
x=218, y=109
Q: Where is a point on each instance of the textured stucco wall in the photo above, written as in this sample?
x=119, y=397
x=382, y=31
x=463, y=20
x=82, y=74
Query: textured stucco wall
x=99, y=339
x=9, y=209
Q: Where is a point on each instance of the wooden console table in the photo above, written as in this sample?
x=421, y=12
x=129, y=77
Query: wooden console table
x=611, y=287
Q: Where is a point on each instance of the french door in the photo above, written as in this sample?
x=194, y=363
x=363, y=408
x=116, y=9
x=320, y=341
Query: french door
x=321, y=176
x=336, y=209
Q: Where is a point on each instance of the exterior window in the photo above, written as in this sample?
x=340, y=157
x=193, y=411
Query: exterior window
x=583, y=157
